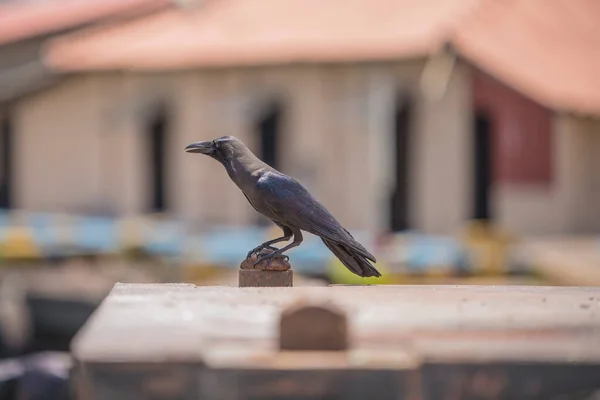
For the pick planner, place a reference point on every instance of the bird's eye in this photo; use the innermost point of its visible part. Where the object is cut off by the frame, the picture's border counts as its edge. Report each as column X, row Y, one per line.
column 217, row 145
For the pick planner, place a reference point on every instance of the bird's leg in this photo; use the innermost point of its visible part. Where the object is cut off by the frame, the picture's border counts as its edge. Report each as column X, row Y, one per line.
column 287, row 235
column 297, row 240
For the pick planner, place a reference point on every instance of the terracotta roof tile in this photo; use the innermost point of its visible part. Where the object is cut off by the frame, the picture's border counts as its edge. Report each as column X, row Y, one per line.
column 236, row 32
column 549, row 50
column 22, row 20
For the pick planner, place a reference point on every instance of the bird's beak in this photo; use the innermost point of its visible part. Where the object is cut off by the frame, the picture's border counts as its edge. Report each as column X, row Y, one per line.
column 199, row 147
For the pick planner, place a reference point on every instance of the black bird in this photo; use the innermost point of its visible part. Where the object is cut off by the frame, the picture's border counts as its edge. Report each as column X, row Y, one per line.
column 287, row 203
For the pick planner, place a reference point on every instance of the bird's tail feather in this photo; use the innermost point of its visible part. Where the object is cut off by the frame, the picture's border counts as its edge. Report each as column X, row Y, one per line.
column 359, row 248
column 352, row 259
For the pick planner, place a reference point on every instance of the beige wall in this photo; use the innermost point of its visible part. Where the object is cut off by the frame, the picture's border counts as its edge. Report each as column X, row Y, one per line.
column 442, row 184
column 82, row 145
column 86, row 137
column 570, row 205
column 57, row 157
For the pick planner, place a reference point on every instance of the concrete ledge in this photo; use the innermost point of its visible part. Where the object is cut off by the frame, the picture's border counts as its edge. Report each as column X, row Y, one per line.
column 178, row 341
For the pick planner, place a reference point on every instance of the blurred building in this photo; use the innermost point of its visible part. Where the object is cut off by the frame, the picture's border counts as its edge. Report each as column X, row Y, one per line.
column 25, row 26
column 397, row 114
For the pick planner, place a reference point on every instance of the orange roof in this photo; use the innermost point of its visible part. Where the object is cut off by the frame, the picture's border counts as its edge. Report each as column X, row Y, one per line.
column 549, row 50
column 250, row 32
column 26, row 19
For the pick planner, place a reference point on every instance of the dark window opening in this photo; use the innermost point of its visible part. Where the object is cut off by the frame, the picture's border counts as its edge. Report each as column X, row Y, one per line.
column 482, row 165
column 157, row 168
column 6, row 161
column 269, row 130
column 400, row 196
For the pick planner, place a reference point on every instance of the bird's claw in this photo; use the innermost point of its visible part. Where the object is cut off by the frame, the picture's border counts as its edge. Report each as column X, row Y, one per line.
column 258, row 249
column 261, row 259
column 270, row 258
column 253, row 252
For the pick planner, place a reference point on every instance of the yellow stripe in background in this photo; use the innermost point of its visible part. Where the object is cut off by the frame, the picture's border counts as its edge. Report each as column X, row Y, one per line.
column 19, row 243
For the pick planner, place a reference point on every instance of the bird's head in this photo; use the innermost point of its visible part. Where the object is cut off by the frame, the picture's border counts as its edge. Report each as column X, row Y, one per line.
column 220, row 149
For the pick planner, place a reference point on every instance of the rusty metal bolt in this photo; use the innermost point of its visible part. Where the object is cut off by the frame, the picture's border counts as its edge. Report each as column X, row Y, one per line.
column 307, row 327
column 278, row 263
column 272, row 273
column 258, row 278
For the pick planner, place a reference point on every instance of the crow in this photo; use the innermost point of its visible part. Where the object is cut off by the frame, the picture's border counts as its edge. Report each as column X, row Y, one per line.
column 285, row 202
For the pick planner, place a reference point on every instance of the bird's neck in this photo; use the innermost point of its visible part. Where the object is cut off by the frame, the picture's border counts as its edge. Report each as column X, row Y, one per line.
column 243, row 165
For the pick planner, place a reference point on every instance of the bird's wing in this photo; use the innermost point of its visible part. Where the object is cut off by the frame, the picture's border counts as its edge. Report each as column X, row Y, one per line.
column 292, row 204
